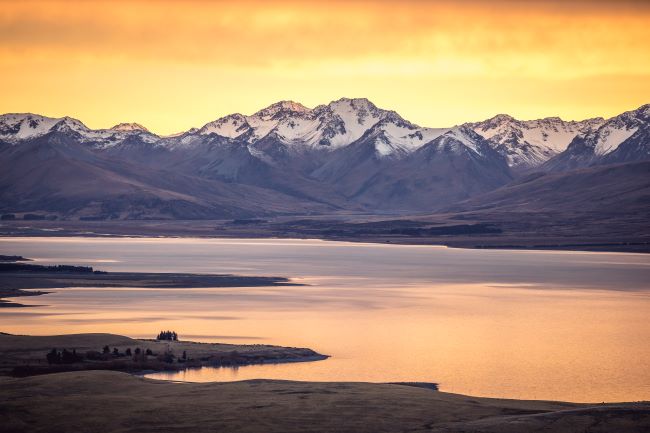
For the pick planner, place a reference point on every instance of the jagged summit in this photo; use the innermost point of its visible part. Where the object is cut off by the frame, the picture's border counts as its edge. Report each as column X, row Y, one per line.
column 500, row 118
column 287, row 127
column 529, row 143
column 622, row 138
column 282, row 107
column 128, row 127
column 15, row 127
column 348, row 154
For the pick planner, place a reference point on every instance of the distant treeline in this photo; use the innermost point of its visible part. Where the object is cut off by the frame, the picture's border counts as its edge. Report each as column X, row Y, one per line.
column 384, row 228
column 24, row 267
column 248, row 221
column 12, row 258
column 29, row 217
column 136, row 355
column 455, row 230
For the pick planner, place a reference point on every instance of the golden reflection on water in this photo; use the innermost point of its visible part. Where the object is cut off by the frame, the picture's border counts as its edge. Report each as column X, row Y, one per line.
column 576, row 345
column 491, row 338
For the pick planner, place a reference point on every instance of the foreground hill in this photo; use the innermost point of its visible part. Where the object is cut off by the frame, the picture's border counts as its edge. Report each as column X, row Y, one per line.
column 118, row 402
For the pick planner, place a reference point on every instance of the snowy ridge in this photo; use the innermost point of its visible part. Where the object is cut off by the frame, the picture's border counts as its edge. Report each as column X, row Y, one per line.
column 530, row 143
column 288, row 127
column 16, row 127
column 617, row 130
column 326, row 127
column 459, row 139
column 126, row 127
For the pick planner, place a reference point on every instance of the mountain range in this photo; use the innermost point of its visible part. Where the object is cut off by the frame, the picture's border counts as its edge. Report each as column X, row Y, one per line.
column 348, row 155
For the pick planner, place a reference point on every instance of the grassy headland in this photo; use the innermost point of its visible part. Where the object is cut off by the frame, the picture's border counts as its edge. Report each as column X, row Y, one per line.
column 23, row 355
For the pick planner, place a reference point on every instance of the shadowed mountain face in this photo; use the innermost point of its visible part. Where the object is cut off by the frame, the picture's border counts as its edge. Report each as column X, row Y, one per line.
column 58, row 175
column 290, row 159
column 454, row 166
column 612, row 189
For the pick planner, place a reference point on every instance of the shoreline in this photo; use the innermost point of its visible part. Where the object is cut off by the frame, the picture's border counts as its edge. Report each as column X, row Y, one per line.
column 594, row 247
column 25, row 355
column 17, row 277
column 465, row 233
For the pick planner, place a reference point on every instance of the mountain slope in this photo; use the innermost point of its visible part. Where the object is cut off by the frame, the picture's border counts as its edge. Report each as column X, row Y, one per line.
column 456, row 165
column 287, row 158
column 606, row 190
column 54, row 174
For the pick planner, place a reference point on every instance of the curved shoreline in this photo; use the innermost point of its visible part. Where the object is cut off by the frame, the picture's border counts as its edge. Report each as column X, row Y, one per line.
column 22, row 355
column 16, row 276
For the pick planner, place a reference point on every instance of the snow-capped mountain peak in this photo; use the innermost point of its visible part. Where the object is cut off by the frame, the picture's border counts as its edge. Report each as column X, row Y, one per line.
column 529, row 143
column 287, row 127
column 460, row 138
column 231, row 126
column 612, row 133
column 15, row 127
column 282, row 109
column 329, row 126
column 129, row 127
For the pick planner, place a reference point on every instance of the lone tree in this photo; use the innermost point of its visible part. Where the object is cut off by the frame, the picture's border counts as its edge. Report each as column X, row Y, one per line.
column 167, row 335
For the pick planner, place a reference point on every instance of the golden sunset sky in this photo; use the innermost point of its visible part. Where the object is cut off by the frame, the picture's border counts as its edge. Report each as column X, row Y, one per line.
column 171, row 65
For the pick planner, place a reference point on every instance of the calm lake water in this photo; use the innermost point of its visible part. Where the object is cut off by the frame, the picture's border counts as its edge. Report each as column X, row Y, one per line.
column 518, row 324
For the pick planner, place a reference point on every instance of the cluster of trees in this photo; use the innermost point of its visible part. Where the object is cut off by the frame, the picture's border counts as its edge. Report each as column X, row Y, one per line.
column 69, row 357
column 137, row 355
column 167, row 335
column 63, row 357
column 137, row 352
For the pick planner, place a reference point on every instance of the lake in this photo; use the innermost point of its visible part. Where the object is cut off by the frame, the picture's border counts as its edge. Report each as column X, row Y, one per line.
column 518, row 324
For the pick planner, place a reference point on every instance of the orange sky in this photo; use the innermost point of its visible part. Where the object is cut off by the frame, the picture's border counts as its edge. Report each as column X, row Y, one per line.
column 171, row 65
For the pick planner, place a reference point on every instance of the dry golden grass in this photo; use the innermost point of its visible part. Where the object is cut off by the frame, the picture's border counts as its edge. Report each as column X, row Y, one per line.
column 101, row 401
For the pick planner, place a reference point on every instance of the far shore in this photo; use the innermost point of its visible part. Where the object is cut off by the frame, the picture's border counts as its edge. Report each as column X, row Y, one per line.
column 17, row 274
column 466, row 234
